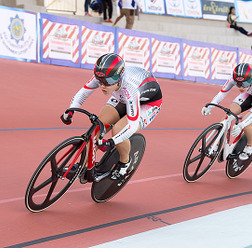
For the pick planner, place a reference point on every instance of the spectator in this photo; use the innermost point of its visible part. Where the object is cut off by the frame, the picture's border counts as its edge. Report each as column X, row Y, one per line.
column 121, row 13
column 107, row 5
column 96, row 6
column 87, row 2
column 128, row 10
column 231, row 19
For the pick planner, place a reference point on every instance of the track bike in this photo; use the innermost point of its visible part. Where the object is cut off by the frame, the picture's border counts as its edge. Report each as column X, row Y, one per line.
column 207, row 147
column 75, row 159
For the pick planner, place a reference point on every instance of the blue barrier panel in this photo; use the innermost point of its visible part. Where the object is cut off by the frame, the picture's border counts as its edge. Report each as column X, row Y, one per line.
column 59, row 40
column 134, row 47
column 196, row 61
column 223, row 61
column 245, row 56
column 96, row 40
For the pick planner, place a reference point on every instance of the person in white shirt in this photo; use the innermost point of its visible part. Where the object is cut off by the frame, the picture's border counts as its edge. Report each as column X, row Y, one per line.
column 127, row 9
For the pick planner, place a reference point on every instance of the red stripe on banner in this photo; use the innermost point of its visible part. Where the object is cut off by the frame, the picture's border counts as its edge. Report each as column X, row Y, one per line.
column 108, row 39
column 204, row 54
column 231, row 57
column 143, row 45
column 45, row 23
column 49, row 30
column 184, row 48
column 87, row 38
column 146, row 63
column 147, row 80
column 217, row 54
column 83, row 55
column 72, row 33
column 123, row 44
column 189, row 50
column 174, row 49
column 46, row 48
column 155, row 51
column 83, row 31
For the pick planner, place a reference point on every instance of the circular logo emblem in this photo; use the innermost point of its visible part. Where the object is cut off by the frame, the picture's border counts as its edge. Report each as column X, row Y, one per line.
column 17, row 28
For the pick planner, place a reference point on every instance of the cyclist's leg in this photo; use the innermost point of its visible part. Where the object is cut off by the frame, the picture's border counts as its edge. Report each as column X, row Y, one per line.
column 124, row 147
column 248, row 130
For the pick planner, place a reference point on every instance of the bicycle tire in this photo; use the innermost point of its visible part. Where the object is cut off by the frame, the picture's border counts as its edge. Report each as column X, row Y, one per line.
column 234, row 166
column 51, row 170
column 203, row 154
column 107, row 188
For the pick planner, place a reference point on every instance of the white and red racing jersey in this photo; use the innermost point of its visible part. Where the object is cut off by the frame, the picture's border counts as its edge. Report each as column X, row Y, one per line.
column 138, row 87
column 225, row 90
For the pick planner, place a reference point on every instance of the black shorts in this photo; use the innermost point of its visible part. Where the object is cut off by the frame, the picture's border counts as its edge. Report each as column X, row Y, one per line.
column 244, row 100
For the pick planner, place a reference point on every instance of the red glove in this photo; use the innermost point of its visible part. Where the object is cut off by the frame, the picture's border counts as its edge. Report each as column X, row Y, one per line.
column 67, row 117
column 106, row 145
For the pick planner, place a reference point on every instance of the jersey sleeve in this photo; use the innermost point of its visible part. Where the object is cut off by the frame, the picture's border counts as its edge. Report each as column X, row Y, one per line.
column 224, row 91
column 133, row 117
column 84, row 93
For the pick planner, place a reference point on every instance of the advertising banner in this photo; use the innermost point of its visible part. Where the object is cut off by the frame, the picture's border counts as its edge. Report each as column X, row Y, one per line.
column 60, row 42
column 196, row 61
column 18, row 34
column 244, row 11
column 135, row 50
column 154, row 7
column 217, row 9
column 193, row 8
column 223, row 63
column 166, row 57
column 94, row 44
column 175, row 7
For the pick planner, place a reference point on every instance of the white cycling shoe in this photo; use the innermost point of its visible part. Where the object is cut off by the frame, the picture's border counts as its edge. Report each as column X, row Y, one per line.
column 120, row 170
column 246, row 153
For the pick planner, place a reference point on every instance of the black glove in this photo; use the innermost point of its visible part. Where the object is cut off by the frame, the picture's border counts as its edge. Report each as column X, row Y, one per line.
column 106, row 145
column 67, row 117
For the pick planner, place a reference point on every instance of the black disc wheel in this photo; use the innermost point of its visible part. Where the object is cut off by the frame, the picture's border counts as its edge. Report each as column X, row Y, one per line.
column 46, row 186
column 199, row 160
column 107, row 188
column 234, row 166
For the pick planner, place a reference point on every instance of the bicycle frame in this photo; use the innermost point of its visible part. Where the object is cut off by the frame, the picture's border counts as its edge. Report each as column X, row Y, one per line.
column 228, row 146
column 89, row 141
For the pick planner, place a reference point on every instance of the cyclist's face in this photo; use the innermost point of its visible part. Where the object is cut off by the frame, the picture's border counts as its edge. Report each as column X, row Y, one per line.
column 108, row 90
column 243, row 90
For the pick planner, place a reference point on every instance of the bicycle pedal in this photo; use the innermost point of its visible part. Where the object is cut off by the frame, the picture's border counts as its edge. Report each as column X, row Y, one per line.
column 98, row 178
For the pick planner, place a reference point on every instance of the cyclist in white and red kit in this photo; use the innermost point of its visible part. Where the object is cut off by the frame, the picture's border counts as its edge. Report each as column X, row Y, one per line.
column 136, row 100
column 242, row 78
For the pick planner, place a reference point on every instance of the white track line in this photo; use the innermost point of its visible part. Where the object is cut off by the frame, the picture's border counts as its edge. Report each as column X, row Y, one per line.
column 88, row 187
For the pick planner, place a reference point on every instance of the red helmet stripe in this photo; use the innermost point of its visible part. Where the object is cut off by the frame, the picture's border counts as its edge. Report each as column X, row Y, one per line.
column 116, row 60
column 248, row 70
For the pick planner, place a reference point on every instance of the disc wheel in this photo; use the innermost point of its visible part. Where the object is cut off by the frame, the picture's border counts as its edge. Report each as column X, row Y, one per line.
column 198, row 160
column 107, row 188
column 234, row 166
column 46, row 186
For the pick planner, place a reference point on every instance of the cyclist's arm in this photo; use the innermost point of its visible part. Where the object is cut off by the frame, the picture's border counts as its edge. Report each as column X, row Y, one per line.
column 133, row 117
column 84, row 93
column 224, row 91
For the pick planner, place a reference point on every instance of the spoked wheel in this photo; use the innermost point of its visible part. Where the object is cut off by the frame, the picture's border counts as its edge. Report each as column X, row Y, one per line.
column 46, row 185
column 107, row 188
column 235, row 166
column 198, row 160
